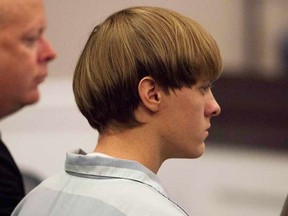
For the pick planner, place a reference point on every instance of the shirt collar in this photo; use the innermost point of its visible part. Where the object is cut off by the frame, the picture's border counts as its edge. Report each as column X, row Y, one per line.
column 96, row 166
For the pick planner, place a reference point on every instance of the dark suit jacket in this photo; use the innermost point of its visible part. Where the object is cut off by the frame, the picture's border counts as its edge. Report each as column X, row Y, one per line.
column 11, row 183
column 285, row 208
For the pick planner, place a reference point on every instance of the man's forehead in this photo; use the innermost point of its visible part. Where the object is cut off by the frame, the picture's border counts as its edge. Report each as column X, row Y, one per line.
column 20, row 10
column 16, row 7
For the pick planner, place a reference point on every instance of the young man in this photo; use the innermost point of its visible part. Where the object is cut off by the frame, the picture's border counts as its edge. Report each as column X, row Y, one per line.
column 24, row 54
column 143, row 81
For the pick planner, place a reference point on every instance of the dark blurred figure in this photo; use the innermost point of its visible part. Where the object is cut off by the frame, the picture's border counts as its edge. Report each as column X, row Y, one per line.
column 283, row 52
column 284, row 211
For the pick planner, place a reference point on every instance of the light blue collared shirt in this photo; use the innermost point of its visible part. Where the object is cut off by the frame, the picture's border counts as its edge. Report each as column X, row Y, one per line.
column 99, row 185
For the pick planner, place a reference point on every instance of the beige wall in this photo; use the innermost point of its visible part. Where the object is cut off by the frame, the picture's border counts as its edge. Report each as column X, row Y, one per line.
column 70, row 22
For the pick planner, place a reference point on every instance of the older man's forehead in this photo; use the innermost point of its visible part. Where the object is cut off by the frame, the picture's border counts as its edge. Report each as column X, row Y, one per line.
column 25, row 11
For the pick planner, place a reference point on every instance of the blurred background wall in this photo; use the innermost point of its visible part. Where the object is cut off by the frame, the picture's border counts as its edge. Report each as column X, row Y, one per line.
column 244, row 170
column 248, row 32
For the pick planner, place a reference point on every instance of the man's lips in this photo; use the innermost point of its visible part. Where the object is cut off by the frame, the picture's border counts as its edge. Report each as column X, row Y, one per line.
column 207, row 131
column 40, row 78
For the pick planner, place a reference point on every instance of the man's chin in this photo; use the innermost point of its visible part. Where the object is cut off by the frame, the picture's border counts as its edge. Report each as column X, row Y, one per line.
column 32, row 98
column 196, row 152
column 200, row 151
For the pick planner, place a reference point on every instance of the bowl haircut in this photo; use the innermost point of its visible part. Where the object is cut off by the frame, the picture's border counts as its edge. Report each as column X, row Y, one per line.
column 131, row 44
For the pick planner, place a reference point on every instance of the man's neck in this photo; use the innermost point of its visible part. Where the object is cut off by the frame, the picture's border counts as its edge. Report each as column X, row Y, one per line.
column 131, row 144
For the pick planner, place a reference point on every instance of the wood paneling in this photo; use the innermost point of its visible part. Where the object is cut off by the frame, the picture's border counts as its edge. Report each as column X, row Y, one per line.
column 254, row 112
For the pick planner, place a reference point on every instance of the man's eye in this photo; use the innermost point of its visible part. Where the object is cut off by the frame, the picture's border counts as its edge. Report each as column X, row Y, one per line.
column 206, row 87
column 30, row 40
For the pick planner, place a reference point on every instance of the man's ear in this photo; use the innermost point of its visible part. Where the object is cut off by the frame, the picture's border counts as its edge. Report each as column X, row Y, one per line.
column 150, row 93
